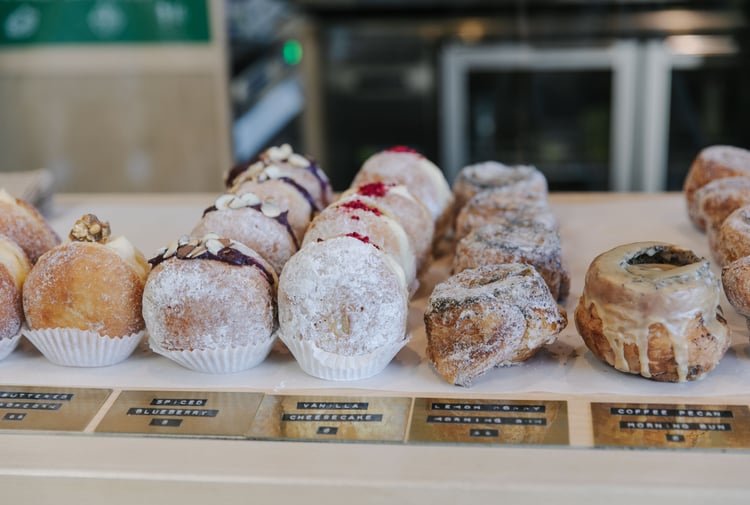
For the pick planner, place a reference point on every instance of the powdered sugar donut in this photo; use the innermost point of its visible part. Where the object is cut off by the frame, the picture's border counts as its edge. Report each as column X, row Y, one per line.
column 14, row 267
column 343, row 306
column 261, row 226
column 712, row 163
column 23, row 224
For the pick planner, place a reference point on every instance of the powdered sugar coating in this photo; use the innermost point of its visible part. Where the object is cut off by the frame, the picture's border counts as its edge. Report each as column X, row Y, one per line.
column 286, row 197
column 14, row 266
column 730, row 156
column 732, row 241
column 21, row 222
column 207, row 304
column 500, row 206
column 521, row 180
column 344, row 296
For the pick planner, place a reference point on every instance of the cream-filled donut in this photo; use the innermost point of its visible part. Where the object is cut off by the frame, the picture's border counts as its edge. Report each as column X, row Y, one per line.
column 23, row 224
column 14, row 267
column 652, row 308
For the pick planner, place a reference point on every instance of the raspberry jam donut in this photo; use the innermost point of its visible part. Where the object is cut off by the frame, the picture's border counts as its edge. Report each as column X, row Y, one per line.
column 712, row 163
column 652, row 308
column 23, row 224
column 494, row 315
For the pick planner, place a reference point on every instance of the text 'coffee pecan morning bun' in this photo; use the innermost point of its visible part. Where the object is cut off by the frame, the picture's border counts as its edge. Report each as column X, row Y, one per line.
column 82, row 299
column 402, row 165
column 494, row 315
column 23, row 224
column 262, row 226
column 652, row 308
column 14, row 267
column 714, row 162
column 209, row 304
column 284, row 164
column 343, row 306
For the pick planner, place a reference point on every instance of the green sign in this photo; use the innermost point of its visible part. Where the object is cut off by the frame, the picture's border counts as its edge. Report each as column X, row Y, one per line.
column 35, row 22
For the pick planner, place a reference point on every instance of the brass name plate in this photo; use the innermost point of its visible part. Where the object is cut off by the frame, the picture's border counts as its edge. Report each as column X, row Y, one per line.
column 49, row 408
column 331, row 418
column 186, row 413
column 671, row 425
column 473, row 421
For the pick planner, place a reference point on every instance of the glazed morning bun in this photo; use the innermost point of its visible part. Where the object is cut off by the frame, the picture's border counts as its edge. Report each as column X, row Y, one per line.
column 283, row 163
column 714, row 162
column 495, row 315
column 402, row 165
column 652, row 308
column 343, row 307
column 14, row 266
column 82, row 299
column 209, row 304
column 262, row 226
column 23, row 224
column 732, row 240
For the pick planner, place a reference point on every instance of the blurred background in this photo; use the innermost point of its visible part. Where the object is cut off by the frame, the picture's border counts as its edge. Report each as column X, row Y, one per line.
column 166, row 95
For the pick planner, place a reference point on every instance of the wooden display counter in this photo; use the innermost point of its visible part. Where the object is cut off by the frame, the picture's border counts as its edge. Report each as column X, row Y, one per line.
column 562, row 426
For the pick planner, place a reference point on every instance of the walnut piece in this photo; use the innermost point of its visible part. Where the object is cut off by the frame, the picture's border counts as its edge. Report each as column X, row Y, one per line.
column 90, row 229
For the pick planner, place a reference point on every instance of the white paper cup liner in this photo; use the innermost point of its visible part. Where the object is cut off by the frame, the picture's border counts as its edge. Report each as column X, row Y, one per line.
column 218, row 361
column 329, row 366
column 74, row 347
column 7, row 345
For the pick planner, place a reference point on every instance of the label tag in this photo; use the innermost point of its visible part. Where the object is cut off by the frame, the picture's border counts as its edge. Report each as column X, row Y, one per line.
column 474, row 421
column 49, row 408
column 671, row 426
column 188, row 413
column 349, row 419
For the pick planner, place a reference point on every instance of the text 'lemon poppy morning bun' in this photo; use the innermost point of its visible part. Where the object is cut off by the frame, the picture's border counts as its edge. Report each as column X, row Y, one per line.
column 519, row 241
column 732, row 241
column 82, row 299
column 23, row 224
column 281, row 162
column 713, row 162
column 14, row 267
column 262, row 226
column 209, row 304
column 412, row 215
column 494, row 315
column 524, row 181
column 343, row 306
column 652, row 308
column 402, row 165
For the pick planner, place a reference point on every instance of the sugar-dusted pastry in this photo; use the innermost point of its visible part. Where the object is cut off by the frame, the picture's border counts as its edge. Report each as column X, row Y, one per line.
column 353, row 215
column 719, row 198
column 411, row 214
column 14, row 266
column 23, row 224
column 652, row 308
column 82, row 299
column 209, row 304
column 713, row 162
column 424, row 179
column 519, row 241
column 262, row 226
column 343, row 307
column 523, row 181
column 735, row 280
column 495, row 315
column 281, row 162
column 732, row 241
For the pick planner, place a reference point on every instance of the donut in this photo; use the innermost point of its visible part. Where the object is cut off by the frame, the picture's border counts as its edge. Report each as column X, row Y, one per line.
column 352, row 215
column 14, row 267
column 209, row 293
column 495, row 315
column 524, row 181
column 732, row 241
column 735, row 279
column 520, row 241
column 22, row 223
column 652, row 308
column 402, row 165
column 281, row 162
column 92, row 283
column 412, row 215
column 343, row 307
column 713, row 162
column 262, row 226
column 719, row 198
column 498, row 206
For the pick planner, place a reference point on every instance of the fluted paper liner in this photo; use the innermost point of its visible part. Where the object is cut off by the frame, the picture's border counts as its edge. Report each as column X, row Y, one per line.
column 7, row 345
column 330, row 366
column 218, row 361
column 81, row 348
